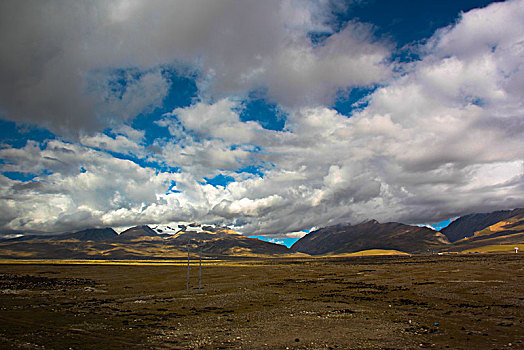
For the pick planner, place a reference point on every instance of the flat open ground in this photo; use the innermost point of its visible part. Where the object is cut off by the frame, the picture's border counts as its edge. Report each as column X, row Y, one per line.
column 456, row 302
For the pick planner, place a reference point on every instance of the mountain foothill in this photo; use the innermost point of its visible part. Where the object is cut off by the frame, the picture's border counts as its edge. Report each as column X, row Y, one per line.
column 498, row 231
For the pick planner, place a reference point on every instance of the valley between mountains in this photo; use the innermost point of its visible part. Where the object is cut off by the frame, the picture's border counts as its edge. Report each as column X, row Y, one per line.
column 498, row 231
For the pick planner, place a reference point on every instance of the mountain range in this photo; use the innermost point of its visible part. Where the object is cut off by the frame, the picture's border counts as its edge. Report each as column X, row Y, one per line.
column 140, row 242
column 496, row 231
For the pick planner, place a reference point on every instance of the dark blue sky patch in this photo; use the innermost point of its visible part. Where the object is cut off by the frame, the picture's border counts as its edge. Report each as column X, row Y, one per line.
column 119, row 80
column 183, row 90
column 258, row 109
column 163, row 168
column 406, row 21
column 110, row 133
column 219, row 180
column 345, row 100
column 318, row 38
column 251, row 169
column 172, row 189
column 477, row 101
column 152, row 130
column 17, row 135
column 182, row 93
column 18, row 176
column 405, row 54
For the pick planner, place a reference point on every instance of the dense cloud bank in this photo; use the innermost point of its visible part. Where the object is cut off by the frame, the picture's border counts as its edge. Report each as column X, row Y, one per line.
column 56, row 57
column 439, row 137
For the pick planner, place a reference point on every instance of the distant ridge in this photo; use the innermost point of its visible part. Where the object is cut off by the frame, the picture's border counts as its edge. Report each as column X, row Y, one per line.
column 489, row 230
column 138, row 231
column 467, row 225
column 346, row 238
column 92, row 234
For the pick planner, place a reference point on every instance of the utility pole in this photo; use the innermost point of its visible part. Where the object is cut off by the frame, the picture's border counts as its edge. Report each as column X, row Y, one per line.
column 200, row 269
column 188, row 268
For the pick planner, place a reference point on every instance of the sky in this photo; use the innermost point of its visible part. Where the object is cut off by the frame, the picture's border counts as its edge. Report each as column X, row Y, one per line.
column 272, row 117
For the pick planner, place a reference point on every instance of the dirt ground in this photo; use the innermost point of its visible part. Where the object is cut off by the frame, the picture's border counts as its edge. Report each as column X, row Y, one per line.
column 456, row 302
